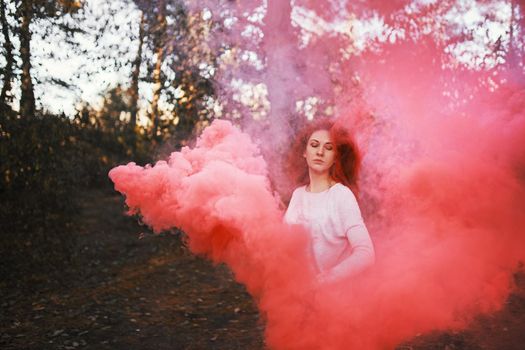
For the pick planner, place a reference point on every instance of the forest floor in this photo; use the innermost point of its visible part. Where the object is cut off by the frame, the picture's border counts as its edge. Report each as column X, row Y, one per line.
column 129, row 290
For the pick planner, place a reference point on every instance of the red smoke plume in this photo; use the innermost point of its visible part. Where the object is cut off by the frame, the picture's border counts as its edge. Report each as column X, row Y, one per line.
column 443, row 195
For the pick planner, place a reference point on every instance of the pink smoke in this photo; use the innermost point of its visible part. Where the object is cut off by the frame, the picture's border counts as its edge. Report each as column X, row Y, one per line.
column 443, row 194
column 218, row 193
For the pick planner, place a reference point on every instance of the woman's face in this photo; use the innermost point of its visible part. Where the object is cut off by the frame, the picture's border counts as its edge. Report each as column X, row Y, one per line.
column 320, row 152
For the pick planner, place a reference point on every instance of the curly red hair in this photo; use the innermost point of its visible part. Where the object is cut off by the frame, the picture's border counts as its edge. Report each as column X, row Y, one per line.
column 347, row 158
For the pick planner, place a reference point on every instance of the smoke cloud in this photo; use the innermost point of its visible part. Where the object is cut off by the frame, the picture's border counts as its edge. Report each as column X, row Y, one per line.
column 442, row 193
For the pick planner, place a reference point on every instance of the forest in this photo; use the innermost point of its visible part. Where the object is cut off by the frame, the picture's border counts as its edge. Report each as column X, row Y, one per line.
column 87, row 85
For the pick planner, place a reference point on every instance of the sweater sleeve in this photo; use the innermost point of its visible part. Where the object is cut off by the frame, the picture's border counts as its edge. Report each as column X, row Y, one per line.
column 290, row 216
column 362, row 253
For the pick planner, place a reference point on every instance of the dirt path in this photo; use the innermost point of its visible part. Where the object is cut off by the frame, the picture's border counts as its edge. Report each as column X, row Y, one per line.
column 128, row 292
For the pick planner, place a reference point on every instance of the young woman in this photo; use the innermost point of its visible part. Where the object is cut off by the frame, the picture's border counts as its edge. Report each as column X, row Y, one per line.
column 326, row 161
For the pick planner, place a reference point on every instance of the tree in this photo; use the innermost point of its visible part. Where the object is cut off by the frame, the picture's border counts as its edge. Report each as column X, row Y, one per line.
column 174, row 56
column 8, row 72
column 27, row 102
column 28, row 11
column 135, row 77
column 159, row 42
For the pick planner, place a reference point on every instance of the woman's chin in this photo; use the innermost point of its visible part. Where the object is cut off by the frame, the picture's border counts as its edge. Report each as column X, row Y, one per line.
column 319, row 169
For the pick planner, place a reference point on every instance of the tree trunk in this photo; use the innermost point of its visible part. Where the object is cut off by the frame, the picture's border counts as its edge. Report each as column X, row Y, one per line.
column 157, row 76
column 512, row 52
column 9, row 58
column 280, row 54
column 27, row 103
column 282, row 80
column 291, row 74
column 134, row 91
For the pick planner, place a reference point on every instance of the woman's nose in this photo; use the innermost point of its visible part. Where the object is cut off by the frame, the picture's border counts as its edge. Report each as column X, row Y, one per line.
column 320, row 151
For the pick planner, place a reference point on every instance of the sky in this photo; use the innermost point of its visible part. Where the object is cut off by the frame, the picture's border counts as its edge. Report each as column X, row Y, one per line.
column 91, row 79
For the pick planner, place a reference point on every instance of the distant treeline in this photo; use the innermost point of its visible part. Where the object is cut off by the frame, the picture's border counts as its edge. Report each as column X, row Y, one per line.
column 45, row 162
column 46, row 159
column 159, row 45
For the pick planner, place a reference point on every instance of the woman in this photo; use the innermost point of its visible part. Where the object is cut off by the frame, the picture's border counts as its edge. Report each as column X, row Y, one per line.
column 325, row 203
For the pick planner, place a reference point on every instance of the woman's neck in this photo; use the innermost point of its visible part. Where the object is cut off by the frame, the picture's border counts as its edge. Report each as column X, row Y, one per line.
column 319, row 182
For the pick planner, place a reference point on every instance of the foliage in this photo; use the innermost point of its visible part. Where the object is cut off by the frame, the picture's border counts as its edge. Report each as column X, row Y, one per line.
column 46, row 160
column 178, row 66
column 110, row 128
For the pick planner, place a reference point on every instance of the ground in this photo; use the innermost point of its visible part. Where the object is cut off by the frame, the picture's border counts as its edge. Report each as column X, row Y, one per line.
column 129, row 289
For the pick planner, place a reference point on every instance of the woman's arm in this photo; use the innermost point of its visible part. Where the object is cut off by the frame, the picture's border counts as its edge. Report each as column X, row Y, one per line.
column 351, row 223
column 361, row 257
